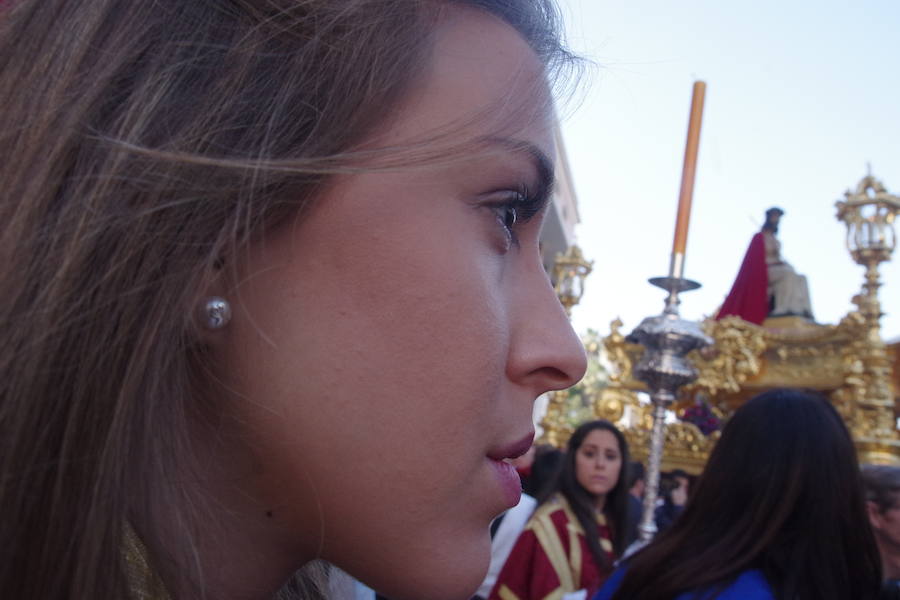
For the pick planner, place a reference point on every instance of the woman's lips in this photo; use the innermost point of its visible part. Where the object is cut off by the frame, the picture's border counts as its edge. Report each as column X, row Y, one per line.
column 509, row 481
column 514, row 450
column 506, row 474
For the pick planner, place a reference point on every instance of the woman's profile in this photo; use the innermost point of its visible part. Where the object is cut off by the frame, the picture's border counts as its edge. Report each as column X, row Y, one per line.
column 778, row 513
column 272, row 290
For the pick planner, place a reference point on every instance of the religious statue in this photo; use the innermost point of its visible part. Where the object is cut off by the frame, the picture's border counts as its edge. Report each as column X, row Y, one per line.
column 766, row 285
column 614, row 344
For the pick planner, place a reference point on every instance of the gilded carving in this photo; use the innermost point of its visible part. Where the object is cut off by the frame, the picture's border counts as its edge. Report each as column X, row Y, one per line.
column 610, row 403
column 848, row 362
column 841, row 360
column 618, row 354
column 685, row 446
column 734, row 357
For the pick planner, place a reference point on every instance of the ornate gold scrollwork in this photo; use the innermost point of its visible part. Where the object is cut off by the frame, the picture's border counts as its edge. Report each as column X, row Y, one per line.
column 848, row 362
column 685, row 446
column 735, row 356
column 611, row 402
column 840, row 360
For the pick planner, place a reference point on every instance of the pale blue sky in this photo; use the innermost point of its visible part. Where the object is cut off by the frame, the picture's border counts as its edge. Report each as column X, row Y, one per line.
column 801, row 95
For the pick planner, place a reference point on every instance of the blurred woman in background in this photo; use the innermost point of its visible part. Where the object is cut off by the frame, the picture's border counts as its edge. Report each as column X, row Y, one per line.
column 570, row 543
column 777, row 514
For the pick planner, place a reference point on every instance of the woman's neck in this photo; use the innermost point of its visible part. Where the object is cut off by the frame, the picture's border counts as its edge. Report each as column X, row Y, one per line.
column 242, row 548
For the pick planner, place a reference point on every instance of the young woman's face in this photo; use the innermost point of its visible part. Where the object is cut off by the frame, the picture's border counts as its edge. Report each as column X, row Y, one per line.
column 598, row 462
column 386, row 347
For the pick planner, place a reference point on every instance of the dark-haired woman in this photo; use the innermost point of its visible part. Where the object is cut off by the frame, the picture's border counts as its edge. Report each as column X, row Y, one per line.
column 571, row 541
column 778, row 514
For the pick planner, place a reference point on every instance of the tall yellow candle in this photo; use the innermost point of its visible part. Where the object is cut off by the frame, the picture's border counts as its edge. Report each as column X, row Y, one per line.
column 690, row 167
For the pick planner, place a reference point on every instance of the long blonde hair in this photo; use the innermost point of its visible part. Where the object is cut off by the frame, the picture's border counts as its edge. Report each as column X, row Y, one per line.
column 145, row 143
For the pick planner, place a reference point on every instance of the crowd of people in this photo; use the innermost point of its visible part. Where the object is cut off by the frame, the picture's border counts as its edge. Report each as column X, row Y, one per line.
column 274, row 311
column 577, row 530
column 781, row 511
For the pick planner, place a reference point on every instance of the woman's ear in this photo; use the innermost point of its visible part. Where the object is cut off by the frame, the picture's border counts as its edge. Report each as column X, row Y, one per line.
column 874, row 515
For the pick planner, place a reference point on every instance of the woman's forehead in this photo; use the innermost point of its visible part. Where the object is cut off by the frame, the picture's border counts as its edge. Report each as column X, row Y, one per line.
column 482, row 80
column 600, row 437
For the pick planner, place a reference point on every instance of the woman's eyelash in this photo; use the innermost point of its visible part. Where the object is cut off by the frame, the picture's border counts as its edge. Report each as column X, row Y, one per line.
column 529, row 204
column 519, row 207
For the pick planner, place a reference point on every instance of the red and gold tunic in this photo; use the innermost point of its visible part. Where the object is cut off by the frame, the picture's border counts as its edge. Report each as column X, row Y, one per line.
column 551, row 558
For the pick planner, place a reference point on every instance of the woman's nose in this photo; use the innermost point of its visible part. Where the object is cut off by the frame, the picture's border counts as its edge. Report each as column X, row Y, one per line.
column 545, row 352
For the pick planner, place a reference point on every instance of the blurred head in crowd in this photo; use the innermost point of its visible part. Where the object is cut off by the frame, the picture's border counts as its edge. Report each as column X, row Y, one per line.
column 882, row 487
column 544, row 471
column 636, row 481
column 593, row 478
column 781, row 493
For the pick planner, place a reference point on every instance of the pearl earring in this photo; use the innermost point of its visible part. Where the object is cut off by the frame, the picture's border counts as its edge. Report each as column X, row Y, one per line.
column 216, row 313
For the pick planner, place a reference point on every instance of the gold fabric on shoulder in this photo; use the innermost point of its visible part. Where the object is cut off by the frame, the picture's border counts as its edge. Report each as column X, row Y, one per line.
column 548, row 538
column 550, row 505
column 567, row 565
column 507, row 594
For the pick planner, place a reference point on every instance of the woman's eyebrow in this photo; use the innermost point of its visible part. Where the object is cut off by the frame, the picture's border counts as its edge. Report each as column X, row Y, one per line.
column 542, row 164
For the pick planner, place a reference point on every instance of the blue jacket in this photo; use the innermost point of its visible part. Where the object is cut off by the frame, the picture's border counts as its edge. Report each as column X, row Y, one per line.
column 750, row 585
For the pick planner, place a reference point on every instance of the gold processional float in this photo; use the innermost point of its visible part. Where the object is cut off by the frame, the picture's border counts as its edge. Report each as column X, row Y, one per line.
column 733, row 359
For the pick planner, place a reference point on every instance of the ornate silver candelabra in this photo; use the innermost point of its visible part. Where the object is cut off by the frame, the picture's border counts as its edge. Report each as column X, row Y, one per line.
column 668, row 338
column 664, row 367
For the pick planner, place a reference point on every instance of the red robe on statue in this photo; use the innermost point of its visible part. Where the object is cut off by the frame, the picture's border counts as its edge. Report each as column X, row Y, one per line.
column 551, row 558
column 749, row 296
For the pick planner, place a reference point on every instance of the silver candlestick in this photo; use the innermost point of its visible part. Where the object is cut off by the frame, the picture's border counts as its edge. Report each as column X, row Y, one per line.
column 668, row 338
column 664, row 367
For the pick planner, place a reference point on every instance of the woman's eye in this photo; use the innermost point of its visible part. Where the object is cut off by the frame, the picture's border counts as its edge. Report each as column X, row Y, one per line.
column 509, row 214
column 514, row 208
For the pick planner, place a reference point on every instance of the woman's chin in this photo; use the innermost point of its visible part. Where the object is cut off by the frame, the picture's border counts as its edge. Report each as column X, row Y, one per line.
column 448, row 590
column 453, row 573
